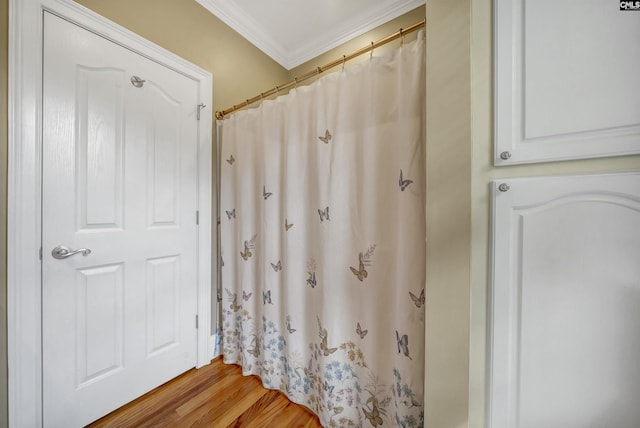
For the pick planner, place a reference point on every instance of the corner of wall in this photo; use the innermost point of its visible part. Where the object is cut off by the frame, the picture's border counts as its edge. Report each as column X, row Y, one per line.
column 448, row 212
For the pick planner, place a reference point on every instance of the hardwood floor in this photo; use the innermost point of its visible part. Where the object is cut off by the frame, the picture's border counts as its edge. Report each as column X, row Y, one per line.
column 214, row 396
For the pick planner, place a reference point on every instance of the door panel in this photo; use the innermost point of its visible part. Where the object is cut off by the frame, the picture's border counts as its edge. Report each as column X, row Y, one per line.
column 565, row 302
column 100, row 120
column 163, row 160
column 119, row 178
column 99, row 322
column 163, row 287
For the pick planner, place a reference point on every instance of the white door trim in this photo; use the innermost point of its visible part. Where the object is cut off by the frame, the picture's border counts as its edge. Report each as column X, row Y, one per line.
column 24, row 191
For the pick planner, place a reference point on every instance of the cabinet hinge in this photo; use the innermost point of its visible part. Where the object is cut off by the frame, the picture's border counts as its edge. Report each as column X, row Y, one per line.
column 196, row 321
column 197, row 217
column 40, row 253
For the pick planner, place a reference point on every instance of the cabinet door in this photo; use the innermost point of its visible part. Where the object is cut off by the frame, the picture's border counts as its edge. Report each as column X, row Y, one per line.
column 566, row 80
column 565, row 304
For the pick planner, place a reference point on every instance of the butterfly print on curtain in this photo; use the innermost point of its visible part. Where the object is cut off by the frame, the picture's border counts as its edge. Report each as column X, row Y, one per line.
column 403, row 344
column 403, row 183
column 327, row 137
column 231, row 160
column 361, row 272
column 266, row 194
column 311, row 280
column 311, row 271
column 255, row 346
column 231, row 214
column 419, row 300
column 289, row 328
column 323, row 337
column 364, row 259
column 266, row 297
column 324, row 214
column 277, row 266
column 362, row 333
column 373, row 415
column 287, row 225
column 234, row 300
column 248, row 245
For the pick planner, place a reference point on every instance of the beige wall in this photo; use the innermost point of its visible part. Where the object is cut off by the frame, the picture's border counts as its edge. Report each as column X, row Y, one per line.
column 448, row 213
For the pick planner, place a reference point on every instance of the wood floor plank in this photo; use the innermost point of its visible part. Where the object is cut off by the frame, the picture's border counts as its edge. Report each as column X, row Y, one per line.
column 145, row 409
column 216, row 395
column 247, row 398
column 262, row 413
column 201, row 399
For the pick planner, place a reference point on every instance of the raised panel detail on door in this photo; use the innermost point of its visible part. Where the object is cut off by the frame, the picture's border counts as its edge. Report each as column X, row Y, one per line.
column 566, row 302
column 99, row 322
column 120, row 320
column 99, row 129
column 566, row 82
column 163, row 288
column 164, row 159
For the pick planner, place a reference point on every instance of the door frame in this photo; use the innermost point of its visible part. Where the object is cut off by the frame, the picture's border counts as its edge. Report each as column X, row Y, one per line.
column 24, row 234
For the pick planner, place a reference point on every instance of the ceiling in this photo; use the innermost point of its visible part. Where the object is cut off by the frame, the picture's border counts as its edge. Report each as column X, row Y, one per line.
column 295, row 31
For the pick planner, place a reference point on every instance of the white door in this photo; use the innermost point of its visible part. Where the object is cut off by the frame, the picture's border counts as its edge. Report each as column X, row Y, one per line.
column 119, row 179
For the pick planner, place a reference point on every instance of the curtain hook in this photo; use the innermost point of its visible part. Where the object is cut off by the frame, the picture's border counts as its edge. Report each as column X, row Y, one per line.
column 277, row 90
column 371, row 52
column 344, row 58
column 401, row 37
column 295, row 82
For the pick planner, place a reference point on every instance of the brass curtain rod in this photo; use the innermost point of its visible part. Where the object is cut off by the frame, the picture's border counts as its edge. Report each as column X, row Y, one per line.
column 418, row 25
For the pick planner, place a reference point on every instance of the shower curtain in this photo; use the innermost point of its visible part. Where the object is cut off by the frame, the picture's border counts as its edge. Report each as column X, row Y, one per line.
column 323, row 242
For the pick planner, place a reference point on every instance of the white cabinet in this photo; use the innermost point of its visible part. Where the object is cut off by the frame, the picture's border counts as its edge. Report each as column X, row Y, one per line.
column 565, row 302
column 566, row 80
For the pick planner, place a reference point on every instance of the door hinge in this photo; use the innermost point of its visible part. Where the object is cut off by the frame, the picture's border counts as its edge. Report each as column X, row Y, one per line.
column 196, row 321
column 197, row 217
column 200, row 107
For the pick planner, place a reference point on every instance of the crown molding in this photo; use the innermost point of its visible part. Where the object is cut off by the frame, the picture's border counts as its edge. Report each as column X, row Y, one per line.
column 247, row 27
column 350, row 29
column 260, row 36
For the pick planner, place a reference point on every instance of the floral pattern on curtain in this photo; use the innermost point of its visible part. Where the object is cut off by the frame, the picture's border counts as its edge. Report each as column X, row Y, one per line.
column 323, row 242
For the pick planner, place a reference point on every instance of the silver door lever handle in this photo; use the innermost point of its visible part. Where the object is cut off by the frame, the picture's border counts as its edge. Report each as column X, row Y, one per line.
column 62, row 252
